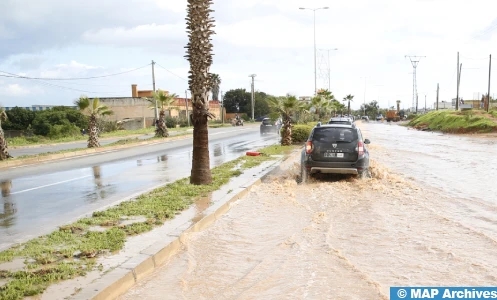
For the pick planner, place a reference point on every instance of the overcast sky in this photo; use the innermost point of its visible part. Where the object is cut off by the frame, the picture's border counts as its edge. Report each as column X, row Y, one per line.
column 270, row 38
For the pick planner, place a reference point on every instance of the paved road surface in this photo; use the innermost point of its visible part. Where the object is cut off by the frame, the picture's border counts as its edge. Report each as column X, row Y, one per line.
column 38, row 198
column 74, row 145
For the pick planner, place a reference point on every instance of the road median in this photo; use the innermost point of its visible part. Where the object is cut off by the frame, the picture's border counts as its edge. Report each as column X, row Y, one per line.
column 107, row 251
column 51, row 156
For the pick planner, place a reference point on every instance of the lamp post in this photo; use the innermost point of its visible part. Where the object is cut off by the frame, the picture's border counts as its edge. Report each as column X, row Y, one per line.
column 315, row 67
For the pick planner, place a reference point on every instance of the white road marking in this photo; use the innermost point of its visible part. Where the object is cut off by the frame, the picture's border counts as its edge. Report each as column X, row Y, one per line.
column 51, row 184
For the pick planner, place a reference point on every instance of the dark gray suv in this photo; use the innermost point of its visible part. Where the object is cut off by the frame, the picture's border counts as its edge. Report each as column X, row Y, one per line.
column 335, row 149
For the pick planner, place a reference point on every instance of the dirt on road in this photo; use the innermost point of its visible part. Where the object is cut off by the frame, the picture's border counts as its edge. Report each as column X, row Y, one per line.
column 330, row 239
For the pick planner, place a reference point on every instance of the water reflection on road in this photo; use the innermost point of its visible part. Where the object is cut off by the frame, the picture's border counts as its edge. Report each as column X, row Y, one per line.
column 37, row 204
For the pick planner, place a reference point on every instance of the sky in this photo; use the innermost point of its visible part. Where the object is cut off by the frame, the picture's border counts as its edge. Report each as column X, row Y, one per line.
column 60, row 39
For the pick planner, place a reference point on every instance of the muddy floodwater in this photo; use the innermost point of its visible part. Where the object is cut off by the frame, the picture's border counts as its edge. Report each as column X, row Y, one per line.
column 340, row 238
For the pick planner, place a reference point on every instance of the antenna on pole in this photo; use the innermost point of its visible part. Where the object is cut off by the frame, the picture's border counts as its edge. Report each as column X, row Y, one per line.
column 414, row 62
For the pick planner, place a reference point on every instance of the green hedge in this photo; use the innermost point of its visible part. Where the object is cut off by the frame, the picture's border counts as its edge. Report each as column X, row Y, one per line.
column 300, row 133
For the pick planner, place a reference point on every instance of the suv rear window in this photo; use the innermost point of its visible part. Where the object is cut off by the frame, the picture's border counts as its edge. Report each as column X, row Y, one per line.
column 334, row 134
column 340, row 122
column 266, row 122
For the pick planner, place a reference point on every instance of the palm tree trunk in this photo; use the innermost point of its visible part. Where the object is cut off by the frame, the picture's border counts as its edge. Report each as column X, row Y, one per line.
column 201, row 169
column 286, row 137
column 200, row 26
column 215, row 93
column 93, row 132
column 4, row 150
column 348, row 108
column 161, row 130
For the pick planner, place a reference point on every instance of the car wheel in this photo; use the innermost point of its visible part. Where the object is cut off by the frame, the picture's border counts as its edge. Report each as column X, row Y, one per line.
column 364, row 174
column 304, row 175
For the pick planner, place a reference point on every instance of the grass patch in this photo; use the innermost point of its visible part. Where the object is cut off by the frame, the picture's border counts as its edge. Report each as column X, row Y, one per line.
column 455, row 122
column 72, row 250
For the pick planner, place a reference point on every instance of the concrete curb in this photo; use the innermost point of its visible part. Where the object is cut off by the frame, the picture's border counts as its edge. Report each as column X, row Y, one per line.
column 46, row 158
column 122, row 278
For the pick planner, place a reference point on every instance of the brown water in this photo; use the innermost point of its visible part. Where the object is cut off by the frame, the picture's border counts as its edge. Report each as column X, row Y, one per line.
column 345, row 239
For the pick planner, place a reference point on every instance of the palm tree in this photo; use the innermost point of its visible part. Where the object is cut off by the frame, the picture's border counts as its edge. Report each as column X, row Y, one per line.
column 199, row 53
column 286, row 107
column 163, row 100
column 398, row 105
column 215, row 83
column 348, row 98
column 95, row 110
column 4, row 149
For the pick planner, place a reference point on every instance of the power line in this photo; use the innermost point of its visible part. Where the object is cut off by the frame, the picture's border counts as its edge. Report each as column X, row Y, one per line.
column 12, row 75
column 171, row 72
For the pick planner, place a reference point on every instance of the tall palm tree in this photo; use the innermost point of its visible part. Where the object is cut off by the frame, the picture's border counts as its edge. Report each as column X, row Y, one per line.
column 199, row 53
column 4, row 149
column 163, row 100
column 286, row 107
column 95, row 110
column 215, row 84
column 398, row 105
column 347, row 99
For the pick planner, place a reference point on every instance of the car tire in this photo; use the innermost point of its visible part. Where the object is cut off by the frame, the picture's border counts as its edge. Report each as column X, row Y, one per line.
column 364, row 174
column 304, row 175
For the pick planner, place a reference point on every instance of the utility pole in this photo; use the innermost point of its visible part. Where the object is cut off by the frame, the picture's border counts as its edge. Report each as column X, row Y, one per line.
column 458, row 77
column 414, row 62
column 222, row 107
column 253, row 95
column 365, row 83
column 425, row 103
column 186, row 103
column 488, row 91
column 328, row 65
column 438, row 90
column 153, row 84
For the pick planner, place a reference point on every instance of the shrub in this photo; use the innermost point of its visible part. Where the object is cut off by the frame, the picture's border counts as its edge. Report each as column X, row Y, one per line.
column 62, row 131
column 300, row 133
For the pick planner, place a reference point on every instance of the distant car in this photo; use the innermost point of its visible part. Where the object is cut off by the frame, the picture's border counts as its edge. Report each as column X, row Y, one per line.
column 379, row 118
column 268, row 126
column 365, row 118
column 341, row 120
column 335, row 149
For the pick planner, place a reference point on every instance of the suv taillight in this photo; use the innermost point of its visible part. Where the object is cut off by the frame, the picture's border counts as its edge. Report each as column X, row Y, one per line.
column 309, row 147
column 360, row 148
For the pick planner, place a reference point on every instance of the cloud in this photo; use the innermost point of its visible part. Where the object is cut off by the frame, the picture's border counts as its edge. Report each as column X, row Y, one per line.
column 14, row 90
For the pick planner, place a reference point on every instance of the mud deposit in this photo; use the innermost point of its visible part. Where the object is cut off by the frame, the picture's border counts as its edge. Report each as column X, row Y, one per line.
column 332, row 239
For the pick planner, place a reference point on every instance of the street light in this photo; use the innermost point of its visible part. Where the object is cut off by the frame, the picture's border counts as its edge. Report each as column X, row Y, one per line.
column 315, row 68
column 365, row 84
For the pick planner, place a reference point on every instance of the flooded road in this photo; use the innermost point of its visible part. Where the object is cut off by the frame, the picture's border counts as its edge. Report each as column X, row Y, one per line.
column 461, row 166
column 342, row 239
column 36, row 203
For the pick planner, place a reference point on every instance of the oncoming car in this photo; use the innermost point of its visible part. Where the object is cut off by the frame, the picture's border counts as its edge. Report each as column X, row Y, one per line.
column 335, row 149
column 341, row 120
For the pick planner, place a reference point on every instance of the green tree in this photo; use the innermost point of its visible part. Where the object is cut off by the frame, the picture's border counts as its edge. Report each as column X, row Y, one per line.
column 68, row 118
column 95, row 110
column 237, row 101
column 261, row 107
column 19, row 118
column 199, row 54
column 4, row 148
column 163, row 100
column 215, row 85
column 371, row 109
column 286, row 107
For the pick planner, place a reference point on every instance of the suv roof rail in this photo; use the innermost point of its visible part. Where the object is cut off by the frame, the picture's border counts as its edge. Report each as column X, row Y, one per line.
column 318, row 124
